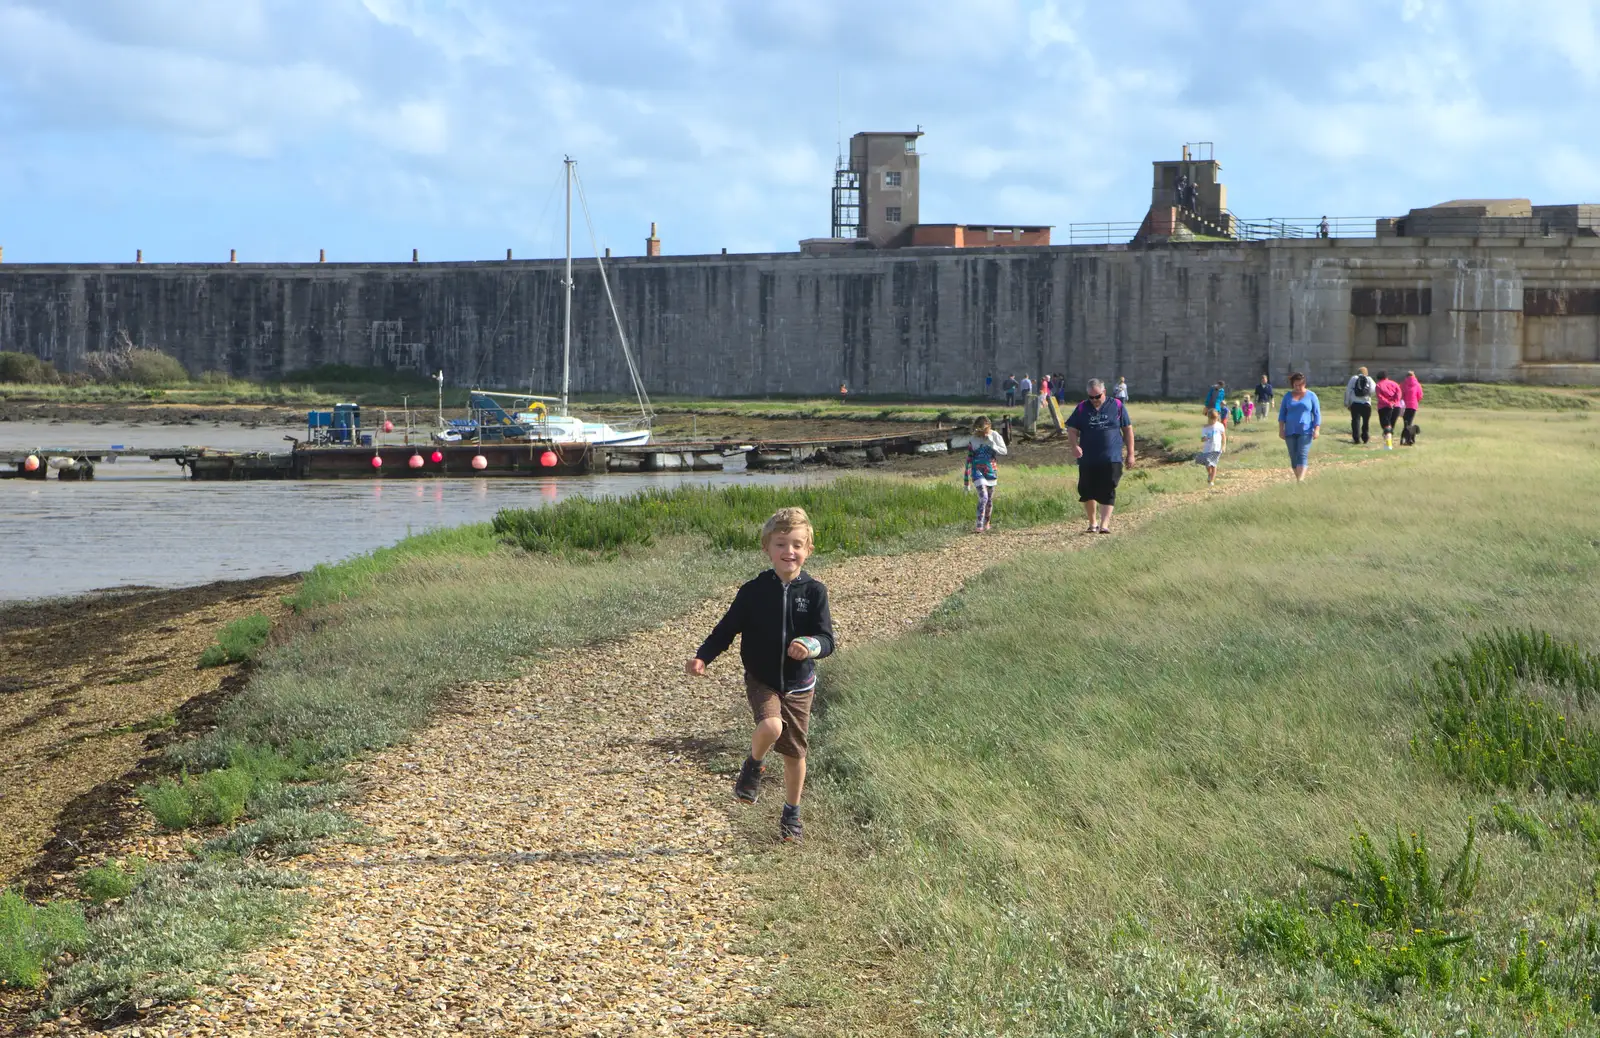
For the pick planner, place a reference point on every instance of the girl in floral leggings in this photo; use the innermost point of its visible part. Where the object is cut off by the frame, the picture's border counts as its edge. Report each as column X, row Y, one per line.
column 980, row 471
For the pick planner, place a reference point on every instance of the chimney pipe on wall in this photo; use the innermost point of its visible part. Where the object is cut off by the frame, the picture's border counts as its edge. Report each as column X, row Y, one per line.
column 652, row 244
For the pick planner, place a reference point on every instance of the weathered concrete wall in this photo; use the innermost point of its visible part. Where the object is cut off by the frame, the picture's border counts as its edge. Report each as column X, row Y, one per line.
column 1172, row 319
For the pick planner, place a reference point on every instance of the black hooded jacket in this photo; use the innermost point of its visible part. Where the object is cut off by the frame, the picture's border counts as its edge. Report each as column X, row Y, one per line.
column 768, row 615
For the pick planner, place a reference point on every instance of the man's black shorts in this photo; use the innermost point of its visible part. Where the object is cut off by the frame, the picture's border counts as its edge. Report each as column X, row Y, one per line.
column 1098, row 482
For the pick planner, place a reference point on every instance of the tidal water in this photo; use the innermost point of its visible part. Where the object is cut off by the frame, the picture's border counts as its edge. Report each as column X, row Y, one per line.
column 143, row 524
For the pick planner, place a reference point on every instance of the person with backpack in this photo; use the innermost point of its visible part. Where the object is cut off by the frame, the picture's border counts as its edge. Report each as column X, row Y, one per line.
column 1358, row 398
column 1215, row 397
column 1010, row 387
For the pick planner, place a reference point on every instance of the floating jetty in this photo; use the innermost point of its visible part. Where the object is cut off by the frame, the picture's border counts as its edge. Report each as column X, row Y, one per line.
column 423, row 461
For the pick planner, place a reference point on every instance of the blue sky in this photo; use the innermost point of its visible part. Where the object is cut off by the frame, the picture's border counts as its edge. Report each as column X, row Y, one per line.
column 371, row 127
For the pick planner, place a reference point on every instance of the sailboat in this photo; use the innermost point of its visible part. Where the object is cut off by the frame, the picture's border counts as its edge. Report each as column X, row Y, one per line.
column 548, row 419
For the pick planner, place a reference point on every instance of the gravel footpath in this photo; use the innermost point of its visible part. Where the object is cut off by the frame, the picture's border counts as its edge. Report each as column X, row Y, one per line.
column 556, row 855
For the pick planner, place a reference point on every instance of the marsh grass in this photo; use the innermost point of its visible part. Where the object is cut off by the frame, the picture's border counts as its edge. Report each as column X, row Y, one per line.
column 1082, row 773
column 848, row 515
column 239, row 641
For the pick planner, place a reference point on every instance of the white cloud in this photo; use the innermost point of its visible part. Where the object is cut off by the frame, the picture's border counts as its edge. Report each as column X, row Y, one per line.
column 444, row 121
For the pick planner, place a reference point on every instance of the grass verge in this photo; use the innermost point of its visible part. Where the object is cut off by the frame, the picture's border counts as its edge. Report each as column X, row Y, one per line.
column 1091, row 804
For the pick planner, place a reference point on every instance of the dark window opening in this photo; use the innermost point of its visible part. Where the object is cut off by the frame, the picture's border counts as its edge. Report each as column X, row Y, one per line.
column 1391, row 302
column 1392, row 336
column 1561, row 302
column 892, row 213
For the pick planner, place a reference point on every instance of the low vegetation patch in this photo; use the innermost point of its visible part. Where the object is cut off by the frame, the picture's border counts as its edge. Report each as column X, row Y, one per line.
column 180, row 927
column 1515, row 709
column 239, row 641
column 215, row 798
column 1393, row 916
column 33, row 936
column 111, row 880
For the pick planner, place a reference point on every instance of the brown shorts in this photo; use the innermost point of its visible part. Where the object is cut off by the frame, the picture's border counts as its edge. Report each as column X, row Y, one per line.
column 793, row 709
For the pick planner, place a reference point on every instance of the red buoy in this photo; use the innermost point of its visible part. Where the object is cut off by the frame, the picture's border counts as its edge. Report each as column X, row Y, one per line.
column 377, row 462
column 548, row 459
column 388, row 426
column 480, row 462
column 31, row 463
column 416, row 461
column 438, row 456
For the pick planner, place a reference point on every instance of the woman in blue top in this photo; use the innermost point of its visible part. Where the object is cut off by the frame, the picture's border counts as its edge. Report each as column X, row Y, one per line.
column 1299, row 422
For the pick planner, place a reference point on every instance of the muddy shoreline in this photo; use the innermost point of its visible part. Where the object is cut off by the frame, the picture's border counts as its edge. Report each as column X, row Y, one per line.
column 93, row 688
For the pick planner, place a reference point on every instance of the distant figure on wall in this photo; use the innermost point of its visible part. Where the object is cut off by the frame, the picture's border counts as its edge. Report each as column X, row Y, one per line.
column 1010, row 388
column 1322, row 228
column 1181, row 191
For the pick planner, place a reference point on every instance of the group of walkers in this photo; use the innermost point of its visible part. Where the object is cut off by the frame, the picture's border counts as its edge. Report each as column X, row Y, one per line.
column 1397, row 403
column 1100, row 431
column 1300, row 417
column 1018, row 390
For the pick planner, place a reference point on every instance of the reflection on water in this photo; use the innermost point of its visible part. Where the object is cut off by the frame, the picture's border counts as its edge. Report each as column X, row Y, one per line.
column 141, row 523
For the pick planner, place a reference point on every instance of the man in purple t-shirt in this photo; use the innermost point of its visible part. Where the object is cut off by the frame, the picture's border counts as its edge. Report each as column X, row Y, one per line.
column 1101, row 435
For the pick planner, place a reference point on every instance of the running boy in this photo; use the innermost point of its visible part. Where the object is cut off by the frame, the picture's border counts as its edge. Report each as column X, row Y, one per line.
column 1213, row 441
column 782, row 619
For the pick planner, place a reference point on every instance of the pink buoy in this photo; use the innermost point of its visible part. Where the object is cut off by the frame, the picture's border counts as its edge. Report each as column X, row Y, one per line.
column 548, row 459
column 416, row 461
column 31, row 463
column 438, row 456
column 479, row 462
column 377, row 462
column 388, row 426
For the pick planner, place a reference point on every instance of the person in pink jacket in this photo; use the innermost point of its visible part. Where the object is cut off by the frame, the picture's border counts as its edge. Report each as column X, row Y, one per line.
column 1410, row 399
column 1388, row 396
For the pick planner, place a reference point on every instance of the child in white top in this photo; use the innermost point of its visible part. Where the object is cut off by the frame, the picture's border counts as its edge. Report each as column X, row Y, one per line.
column 1213, row 441
column 980, row 470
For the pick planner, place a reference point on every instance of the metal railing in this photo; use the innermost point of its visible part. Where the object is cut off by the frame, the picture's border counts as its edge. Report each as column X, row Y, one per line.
column 1110, row 233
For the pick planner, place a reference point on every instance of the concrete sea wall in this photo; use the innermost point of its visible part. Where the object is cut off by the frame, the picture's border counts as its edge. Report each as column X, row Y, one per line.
column 928, row 322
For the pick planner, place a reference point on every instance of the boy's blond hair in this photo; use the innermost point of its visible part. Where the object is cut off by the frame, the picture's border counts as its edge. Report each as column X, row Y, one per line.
column 784, row 520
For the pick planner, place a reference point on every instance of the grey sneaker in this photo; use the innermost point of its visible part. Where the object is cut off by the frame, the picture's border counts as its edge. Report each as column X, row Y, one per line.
column 748, row 784
column 789, row 828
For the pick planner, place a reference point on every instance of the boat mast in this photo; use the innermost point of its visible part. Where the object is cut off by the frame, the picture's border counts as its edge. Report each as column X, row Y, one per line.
column 566, row 309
